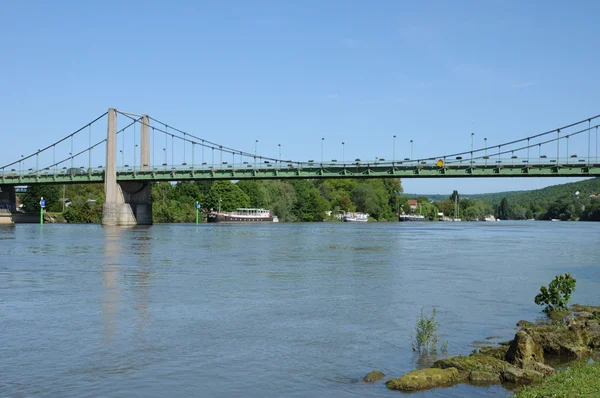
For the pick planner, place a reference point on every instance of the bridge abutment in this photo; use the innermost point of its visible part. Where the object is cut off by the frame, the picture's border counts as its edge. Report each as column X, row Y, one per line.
column 127, row 203
column 8, row 205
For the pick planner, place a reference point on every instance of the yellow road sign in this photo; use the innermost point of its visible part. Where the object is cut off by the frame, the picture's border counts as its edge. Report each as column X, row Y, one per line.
column 440, row 163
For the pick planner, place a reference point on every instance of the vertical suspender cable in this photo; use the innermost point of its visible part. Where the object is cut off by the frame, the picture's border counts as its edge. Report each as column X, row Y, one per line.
column 589, row 140
column 134, row 140
column 153, row 145
column 90, row 149
column 166, row 144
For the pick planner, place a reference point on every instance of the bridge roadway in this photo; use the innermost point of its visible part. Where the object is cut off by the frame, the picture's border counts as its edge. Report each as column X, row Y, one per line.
column 415, row 169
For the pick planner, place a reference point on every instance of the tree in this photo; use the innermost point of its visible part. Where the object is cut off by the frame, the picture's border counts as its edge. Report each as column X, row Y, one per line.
column 504, row 210
column 257, row 192
column 83, row 212
column 284, row 201
column 364, row 196
column 592, row 211
column 227, row 196
column 31, row 198
column 454, row 197
column 518, row 213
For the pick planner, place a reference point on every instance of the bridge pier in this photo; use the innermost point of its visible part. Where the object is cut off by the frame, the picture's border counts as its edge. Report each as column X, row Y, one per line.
column 127, row 203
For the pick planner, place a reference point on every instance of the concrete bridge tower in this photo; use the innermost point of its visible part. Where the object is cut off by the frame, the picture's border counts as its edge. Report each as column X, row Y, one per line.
column 127, row 203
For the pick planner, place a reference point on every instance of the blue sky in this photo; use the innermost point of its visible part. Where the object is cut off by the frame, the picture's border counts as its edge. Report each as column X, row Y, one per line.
column 289, row 73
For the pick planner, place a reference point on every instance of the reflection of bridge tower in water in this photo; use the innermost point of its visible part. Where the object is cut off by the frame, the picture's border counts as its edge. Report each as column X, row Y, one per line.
column 110, row 275
column 119, row 279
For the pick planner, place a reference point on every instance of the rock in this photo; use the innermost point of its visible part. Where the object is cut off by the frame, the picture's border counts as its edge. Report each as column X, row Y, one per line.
column 524, row 349
column 541, row 368
column 373, row 376
column 583, row 315
column 495, row 352
column 560, row 340
column 593, row 324
column 478, row 376
column 473, row 362
column 523, row 323
column 521, row 376
column 424, row 379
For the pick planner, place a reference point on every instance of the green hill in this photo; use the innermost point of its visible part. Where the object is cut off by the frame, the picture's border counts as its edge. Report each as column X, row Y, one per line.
column 545, row 195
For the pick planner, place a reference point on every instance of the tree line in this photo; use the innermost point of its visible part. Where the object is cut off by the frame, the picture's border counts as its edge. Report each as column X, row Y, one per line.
column 310, row 200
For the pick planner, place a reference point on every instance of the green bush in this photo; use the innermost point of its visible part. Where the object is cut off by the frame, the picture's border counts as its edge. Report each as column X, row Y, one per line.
column 426, row 340
column 556, row 296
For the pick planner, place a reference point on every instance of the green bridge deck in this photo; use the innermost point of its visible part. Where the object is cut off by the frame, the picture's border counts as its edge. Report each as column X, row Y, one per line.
column 248, row 172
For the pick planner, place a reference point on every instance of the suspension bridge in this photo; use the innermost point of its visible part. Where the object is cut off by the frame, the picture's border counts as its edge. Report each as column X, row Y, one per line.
column 127, row 186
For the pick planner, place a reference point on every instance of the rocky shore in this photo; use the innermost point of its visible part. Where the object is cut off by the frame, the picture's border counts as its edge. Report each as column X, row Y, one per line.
column 569, row 335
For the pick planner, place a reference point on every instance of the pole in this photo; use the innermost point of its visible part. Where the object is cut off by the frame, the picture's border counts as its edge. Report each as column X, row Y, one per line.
column 322, row 143
column 343, row 153
column 42, row 203
column 567, row 149
column 472, row 136
column 197, row 212
column 557, row 146
column 485, row 141
column 255, row 149
column 411, row 150
column 394, row 152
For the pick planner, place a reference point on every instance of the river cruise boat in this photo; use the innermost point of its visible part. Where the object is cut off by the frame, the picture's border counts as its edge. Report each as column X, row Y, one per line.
column 242, row 215
column 356, row 217
column 411, row 217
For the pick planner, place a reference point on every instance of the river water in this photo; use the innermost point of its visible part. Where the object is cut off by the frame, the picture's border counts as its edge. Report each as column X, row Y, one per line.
column 298, row 310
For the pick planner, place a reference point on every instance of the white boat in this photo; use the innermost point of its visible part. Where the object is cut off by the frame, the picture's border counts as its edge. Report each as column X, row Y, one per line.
column 356, row 217
column 411, row 217
column 489, row 218
column 242, row 215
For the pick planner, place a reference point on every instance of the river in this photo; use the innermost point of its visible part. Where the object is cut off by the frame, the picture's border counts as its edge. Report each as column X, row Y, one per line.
column 295, row 310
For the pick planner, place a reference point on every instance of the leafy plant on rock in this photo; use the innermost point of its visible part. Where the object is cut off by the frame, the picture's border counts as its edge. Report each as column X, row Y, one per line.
column 556, row 296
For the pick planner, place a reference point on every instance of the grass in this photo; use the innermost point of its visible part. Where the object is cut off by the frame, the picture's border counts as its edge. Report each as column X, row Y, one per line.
column 579, row 380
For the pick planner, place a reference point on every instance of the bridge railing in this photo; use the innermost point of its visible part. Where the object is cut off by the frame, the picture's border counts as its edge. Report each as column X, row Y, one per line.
column 513, row 161
column 485, row 162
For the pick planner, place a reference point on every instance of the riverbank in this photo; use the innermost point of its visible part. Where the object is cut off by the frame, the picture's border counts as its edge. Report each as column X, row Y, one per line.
column 526, row 359
column 579, row 380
